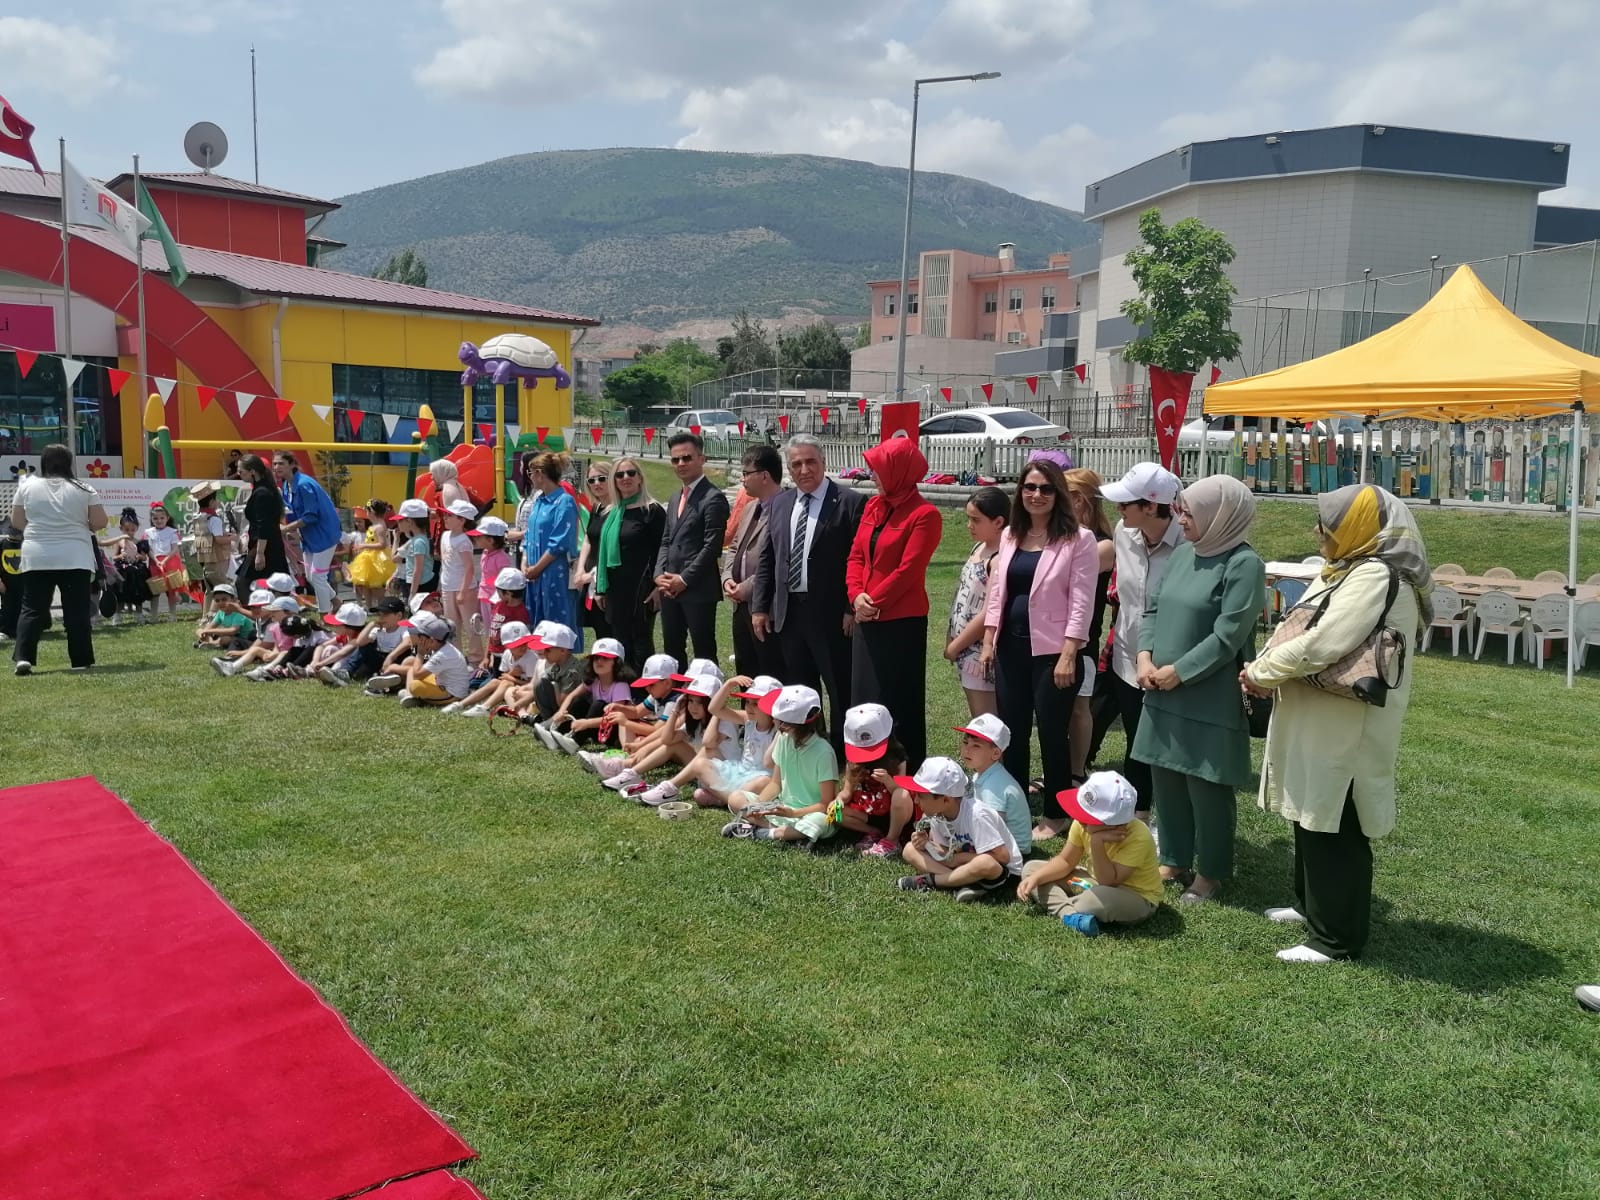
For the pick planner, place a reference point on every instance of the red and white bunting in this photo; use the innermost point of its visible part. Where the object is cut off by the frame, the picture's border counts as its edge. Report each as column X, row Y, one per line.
column 543, row 431
column 988, row 391
column 285, row 410
column 569, row 437
column 486, row 432
column 244, row 400
column 1216, row 372
column 117, row 379
column 1033, row 384
column 783, row 422
column 452, row 430
column 513, row 432
column 596, row 433
column 164, row 388
column 1082, row 372
column 946, row 393
column 25, row 360
column 206, row 395
column 1056, row 377
column 424, row 426
column 824, row 412
column 741, row 428
column 72, row 368
column 354, row 416
column 391, row 422
column 324, row 411
column 861, row 406
column 649, row 434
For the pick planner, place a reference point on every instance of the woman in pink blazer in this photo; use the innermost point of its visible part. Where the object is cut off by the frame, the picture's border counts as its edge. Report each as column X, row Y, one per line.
column 1036, row 624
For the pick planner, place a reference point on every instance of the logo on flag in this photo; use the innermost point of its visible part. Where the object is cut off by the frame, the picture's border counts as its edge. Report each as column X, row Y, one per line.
column 87, row 203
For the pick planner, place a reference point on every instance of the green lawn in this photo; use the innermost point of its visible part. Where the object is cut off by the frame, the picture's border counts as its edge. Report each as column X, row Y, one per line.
column 607, row 1005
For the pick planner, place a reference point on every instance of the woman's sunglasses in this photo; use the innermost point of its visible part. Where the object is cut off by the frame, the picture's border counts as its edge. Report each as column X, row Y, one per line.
column 627, row 474
column 597, row 480
column 1039, row 489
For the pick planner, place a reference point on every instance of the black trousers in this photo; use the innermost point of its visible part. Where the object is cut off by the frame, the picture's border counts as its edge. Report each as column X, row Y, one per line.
column 38, row 588
column 1129, row 703
column 752, row 656
column 10, row 604
column 1026, row 694
column 683, row 621
column 632, row 621
column 1333, row 885
column 888, row 666
column 816, row 652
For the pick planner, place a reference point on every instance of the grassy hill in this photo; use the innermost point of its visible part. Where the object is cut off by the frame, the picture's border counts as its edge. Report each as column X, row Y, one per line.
column 655, row 237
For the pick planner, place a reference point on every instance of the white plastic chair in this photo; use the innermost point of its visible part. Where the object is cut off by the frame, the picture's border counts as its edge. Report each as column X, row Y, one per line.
column 1546, row 622
column 1449, row 569
column 1550, row 577
column 1585, row 630
column 1450, row 611
column 1501, row 573
column 1499, row 613
column 1314, row 560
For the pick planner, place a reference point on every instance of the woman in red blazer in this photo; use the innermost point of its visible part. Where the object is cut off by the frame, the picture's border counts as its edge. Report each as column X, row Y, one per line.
column 1035, row 627
column 887, row 579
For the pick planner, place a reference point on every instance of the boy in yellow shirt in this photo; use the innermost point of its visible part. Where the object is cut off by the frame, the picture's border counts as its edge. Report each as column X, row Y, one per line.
column 1121, row 884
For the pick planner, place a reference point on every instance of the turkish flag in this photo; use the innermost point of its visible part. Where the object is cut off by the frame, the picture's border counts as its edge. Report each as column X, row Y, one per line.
column 15, row 134
column 1169, row 401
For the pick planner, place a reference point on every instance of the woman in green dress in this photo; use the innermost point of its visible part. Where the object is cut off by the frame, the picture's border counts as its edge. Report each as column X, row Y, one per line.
column 1193, row 732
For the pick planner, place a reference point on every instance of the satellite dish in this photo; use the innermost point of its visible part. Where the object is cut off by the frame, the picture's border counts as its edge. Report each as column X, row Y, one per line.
column 206, row 145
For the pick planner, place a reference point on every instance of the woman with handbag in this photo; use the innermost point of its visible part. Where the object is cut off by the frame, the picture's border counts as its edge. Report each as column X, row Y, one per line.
column 264, row 552
column 1330, row 756
column 1193, row 731
column 57, row 515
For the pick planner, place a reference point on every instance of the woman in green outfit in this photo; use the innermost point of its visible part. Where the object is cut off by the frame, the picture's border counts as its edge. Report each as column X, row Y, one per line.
column 1193, row 732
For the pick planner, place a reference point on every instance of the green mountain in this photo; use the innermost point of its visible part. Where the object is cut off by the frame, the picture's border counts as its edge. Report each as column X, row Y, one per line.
column 658, row 237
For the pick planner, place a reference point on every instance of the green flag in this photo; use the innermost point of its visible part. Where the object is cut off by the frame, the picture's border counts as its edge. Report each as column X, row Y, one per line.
column 158, row 227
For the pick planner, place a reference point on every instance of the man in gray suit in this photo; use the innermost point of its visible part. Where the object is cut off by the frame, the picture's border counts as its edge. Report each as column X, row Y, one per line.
column 763, row 481
column 800, row 596
column 688, row 583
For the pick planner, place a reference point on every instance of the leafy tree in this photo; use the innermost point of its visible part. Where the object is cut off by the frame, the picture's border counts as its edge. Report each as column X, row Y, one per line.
column 1185, row 296
column 685, row 364
column 813, row 356
column 644, row 350
column 863, row 335
column 638, row 388
column 405, row 267
column 748, row 348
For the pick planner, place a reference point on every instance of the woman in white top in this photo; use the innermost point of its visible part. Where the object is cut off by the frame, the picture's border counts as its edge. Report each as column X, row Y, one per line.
column 58, row 517
column 166, row 542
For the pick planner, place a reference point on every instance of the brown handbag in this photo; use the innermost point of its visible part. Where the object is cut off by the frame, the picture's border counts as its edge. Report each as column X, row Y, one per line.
column 1369, row 671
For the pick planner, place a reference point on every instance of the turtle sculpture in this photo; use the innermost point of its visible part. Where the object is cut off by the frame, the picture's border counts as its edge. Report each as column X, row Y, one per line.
column 510, row 356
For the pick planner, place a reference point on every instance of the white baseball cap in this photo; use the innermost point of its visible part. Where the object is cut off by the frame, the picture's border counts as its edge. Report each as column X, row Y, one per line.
column 281, row 582
column 429, row 625
column 760, row 686
column 491, row 527
column 1150, row 482
column 988, row 727
column 416, row 509
column 556, row 636
column 607, row 648
column 225, row 589
column 1105, row 798
column 698, row 667
column 465, row 509
column 509, row 580
column 656, row 668
column 936, row 777
column 866, row 732
column 705, row 686
column 514, row 635
column 350, row 615
column 259, row 597
column 286, row 604
column 794, row 704
column 416, row 602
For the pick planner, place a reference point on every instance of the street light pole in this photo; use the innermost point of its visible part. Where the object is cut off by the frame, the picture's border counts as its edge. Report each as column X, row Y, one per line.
column 905, row 238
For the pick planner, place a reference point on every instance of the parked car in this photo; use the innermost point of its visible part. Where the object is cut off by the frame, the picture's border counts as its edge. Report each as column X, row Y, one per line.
column 713, row 422
column 1016, row 426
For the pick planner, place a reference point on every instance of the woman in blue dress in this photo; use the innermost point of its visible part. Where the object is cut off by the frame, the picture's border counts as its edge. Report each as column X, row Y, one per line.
column 550, row 542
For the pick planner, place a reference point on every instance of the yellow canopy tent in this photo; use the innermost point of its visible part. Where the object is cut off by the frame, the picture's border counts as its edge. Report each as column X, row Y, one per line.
column 1463, row 356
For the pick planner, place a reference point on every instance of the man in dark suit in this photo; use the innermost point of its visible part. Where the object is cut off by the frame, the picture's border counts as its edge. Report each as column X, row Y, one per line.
column 799, row 597
column 763, row 480
column 688, row 583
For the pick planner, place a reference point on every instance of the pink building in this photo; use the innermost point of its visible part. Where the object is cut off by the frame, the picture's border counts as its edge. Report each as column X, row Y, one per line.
column 973, row 297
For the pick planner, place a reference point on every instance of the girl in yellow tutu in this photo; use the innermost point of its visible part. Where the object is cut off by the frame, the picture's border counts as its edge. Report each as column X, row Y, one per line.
column 373, row 565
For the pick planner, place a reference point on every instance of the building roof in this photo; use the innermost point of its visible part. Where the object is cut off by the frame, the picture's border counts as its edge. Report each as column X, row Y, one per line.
column 316, row 239
column 24, row 181
column 1390, row 149
column 1560, row 225
column 206, row 181
column 269, row 277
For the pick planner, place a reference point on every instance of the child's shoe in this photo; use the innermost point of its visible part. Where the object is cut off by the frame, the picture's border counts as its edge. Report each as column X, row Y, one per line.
column 410, row 701
column 545, row 736
column 658, row 795
column 564, row 742
column 738, row 829
column 334, row 677
column 705, row 799
column 477, row 710
column 259, row 675
column 622, row 780
column 453, row 708
column 384, row 684
column 1083, row 923
column 882, row 848
column 867, row 843
column 590, row 761
column 610, row 766
column 915, row 883
column 222, row 667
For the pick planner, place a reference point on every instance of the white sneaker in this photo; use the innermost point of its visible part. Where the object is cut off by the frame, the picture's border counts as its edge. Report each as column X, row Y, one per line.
column 259, row 675
column 1588, row 995
column 1303, row 954
column 4, row 639
column 544, row 734
column 222, row 667
column 1287, row 915
column 385, row 683
column 333, row 677
column 24, row 667
column 477, row 710
column 622, row 780
column 453, row 709
column 589, row 760
column 410, row 701
column 608, row 768
column 564, row 742
column 658, row 795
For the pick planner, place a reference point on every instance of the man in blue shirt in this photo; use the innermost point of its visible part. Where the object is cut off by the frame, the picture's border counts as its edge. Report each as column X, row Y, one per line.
column 309, row 510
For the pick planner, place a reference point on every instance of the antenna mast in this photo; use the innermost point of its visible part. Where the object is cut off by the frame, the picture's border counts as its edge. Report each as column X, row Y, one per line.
column 255, row 139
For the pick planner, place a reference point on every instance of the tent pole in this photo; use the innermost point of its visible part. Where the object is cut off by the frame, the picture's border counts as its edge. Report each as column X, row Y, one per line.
column 1572, row 542
column 1366, row 442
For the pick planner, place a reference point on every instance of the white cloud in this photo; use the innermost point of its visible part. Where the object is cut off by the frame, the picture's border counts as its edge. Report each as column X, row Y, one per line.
column 1019, row 31
column 1278, row 73
column 200, row 17
column 66, row 61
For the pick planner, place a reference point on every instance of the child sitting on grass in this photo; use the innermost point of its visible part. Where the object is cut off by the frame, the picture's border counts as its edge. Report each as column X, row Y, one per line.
column 605, row 682
column 1122, row 885
column 793, row 804
column 690, row 731
column 517, row 662
column 983, row 744
column 272, row 645
column 870, row 805
column 435, row 674
column 366, row 655
column 560, row 678
column 717, row 770
column 305, row 636
column 345, row 626
column 960, row 845
column 229, row 625
column 637, row 721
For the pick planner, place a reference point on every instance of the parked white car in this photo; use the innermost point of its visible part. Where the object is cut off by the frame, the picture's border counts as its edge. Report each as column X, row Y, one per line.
column 713, row 422
column 1014, row 426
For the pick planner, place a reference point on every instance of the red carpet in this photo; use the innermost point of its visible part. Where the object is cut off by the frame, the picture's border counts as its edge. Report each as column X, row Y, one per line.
column 435, row 1185
column 154, row 1047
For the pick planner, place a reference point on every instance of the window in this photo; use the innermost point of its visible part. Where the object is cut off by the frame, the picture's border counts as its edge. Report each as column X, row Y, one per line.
column 401, row 392
column 888, row 337
column 968, row 426
column 937, row 425
column 987, row 337
column 1014, row 337
column 911, row 304
column 1014, row 300
column 1047, row 297
column 33, row 413
column 888, row 303
column 991, row 302
column 1018, row 418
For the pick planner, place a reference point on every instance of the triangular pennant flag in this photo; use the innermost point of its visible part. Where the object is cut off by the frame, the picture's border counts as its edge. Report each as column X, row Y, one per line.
column 649, row 434
column 424, row 426
column 1056, row 377
column 486, row 432
column 72, row 368
column 323, row 411
column 988, row 391
column 945, row 392
column 568, row 436
column 694, row 429
column 243, row 400
column 783, row 422
column 741, row 428
column 117, row 379
column 285, row 407
column 207, row 395
column 452, row 430
column 513, row 432
column 824, row 413
column 861, row 406
column 390, row 423
column 354, row 416
column 1033, row 384
column 1216, row 372
column 595, row 433
column 25, row 361
column 164, row 387
column 1082, row 372
column 542, row 431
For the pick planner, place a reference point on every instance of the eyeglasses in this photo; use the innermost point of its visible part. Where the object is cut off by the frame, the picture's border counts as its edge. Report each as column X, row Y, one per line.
column 1041, row 489
column 679, row 459
column 627, row 474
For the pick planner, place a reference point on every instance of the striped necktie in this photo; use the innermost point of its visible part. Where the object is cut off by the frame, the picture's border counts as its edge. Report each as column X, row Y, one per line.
column 797, row 548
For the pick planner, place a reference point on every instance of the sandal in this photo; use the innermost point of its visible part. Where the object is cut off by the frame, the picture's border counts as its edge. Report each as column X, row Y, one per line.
column 1043, row 832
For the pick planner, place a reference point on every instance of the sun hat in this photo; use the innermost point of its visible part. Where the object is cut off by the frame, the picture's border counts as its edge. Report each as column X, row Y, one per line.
column 351, row 615
column 607, row 648
column 281, row 582
column 509, row 579
column 988, row 727
column 866, row 732
column 226, row 589
column 558, row 637
column 514, row 635
column 656, row 668
column 429, row 625
column 760, row 686
column 1149, row 482
column 206, row 488
column 259, row 597
column 704, row 686
column 465, row 509
column 1105, row 798
column 699, row 666
column 793, row 704
column 286, row 604
column 936, row 777
column 416, row 509
column 490, row 527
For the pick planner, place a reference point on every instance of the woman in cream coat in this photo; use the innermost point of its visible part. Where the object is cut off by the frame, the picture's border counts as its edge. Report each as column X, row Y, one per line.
column 1330, row 761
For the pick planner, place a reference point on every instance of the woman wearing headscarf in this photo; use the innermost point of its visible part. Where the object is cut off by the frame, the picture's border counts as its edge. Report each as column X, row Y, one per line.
column 1193, row 732
column 447, row 484
column 886, row 578
column 1330, row 760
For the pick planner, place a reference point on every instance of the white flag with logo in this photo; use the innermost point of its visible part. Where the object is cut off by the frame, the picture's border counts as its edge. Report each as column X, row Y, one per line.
column 87, row 203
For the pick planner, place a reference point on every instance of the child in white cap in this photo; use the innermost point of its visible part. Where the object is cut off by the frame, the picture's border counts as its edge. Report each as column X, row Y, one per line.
column 345, row 626
column 984, row 740
column 690, row 731
column 432, row 677
column 413, row 551
column 1106, row 873
column 489, row 538
column 458, row 582
column 869, row 805
column 960, row 845
column 606, row 680
column 229, row 626
column 273, row 643
column 793, row 804
column 741, row 760
column 515, row 668
column 636, row 722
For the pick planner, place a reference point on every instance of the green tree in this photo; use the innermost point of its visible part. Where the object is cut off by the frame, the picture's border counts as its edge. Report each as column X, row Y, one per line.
column 747, row 348
column 405, row 267
column 863, row 335
column 644, row 350
column 814, row 356
column 638, row 388
column 685, row 364
column 1185, row 301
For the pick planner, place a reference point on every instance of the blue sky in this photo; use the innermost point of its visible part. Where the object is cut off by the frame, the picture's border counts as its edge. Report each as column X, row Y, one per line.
column 357, row 93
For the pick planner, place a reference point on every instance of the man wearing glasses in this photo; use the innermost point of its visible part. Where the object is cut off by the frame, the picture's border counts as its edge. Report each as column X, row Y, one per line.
column 688, row 583
column 763, row 480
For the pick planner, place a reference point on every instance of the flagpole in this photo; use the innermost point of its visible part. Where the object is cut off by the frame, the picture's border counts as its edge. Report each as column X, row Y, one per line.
column 138, row 260
column 66, row 297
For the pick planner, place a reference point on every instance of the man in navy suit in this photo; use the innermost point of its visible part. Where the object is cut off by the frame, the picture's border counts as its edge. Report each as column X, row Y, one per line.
column 800, row 596
column 688, row 583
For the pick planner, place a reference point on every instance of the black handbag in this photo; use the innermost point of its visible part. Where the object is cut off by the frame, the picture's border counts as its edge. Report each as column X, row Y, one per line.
column 1257, row 709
